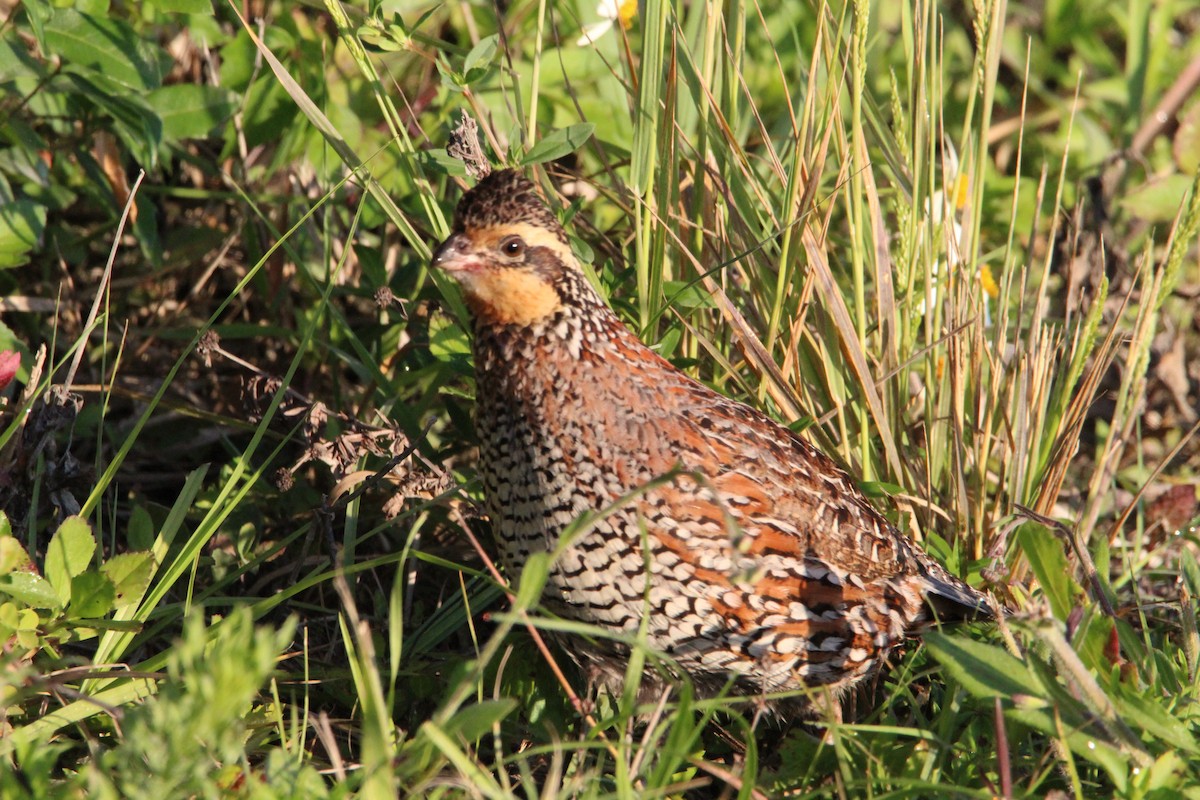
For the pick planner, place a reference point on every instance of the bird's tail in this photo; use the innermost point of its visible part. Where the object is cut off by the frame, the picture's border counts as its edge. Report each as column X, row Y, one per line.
column 951, row 600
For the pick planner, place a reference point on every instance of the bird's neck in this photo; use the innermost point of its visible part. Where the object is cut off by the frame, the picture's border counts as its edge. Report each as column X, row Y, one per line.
column 579, row 327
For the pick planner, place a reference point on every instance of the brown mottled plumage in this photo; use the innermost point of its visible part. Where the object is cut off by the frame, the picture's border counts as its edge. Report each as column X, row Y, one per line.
column 750, row 554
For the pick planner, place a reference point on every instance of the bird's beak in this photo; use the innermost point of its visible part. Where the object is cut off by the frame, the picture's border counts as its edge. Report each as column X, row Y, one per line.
column 454, row 254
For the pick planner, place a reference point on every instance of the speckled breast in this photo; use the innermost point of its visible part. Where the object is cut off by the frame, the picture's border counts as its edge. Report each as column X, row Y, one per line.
column 545, row 465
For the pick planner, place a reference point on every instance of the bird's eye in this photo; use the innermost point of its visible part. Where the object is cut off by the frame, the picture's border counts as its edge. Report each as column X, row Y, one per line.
column 512, row 246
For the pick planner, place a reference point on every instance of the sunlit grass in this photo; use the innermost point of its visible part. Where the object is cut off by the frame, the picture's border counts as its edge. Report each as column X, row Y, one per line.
column 848, row 215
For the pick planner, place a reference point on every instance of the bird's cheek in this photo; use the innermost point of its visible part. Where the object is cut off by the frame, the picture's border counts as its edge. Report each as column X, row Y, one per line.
column 471, row 278
column 508, row 296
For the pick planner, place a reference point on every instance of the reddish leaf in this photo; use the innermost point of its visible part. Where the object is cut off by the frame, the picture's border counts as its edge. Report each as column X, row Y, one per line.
column 10, row 362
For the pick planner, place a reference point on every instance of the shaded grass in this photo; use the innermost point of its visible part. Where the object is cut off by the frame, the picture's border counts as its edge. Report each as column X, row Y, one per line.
column 805, row 208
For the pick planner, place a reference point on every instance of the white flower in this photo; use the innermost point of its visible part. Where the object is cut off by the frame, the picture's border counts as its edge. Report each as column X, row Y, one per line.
column 945, row 207
column 610, row 12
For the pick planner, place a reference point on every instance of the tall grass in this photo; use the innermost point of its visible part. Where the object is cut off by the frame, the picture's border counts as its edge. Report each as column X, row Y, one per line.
column 806, row 207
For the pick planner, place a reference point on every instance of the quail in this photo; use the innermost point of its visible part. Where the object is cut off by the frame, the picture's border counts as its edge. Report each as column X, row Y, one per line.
column 751, row 558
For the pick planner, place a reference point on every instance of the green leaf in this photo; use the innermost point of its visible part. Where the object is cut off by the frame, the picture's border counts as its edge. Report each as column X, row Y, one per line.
column 189, row 111
column 130, row 574
column 583, row 251
column 474, row 721
column 92, row 595
column 983, row 670
column 450, row 79
column 267, row 111
column 1152, row 718
column 447, row 341
column 1186, row 144
column 15, row 61
column 238, row 63
column 881, row 489
column 39, row 15
column 12, row 555
column 1036, row 700
column 1158, row 199
column 183, row 6
column 69, row 554
column 668, row 342
column 441, row 161
column 138, row 127
column 1162, row 780
column 533, row 579
column 687, row 294
column 14, row 620
column 106, row 46
column 32, row 590
column 480, row 58
column 1049, row 562
column 1190, row 570
column 21, row 226
column 559, row 143
column 141, row 529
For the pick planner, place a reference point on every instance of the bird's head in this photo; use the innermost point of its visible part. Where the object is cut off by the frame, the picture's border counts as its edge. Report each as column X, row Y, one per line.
column 507, row 252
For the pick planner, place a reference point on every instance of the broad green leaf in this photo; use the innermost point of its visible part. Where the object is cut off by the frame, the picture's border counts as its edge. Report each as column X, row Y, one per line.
column 11, row 616
column 447, row 341
column 440, row 160
column 32, row 590
column 15, row 61
column 92, row 595
column 69, row 554
column 474, row 721
column 106, row 46
column 1151, row 717
column 266, row 111
column 21, row 226
column 183, row 6
column 559, row 143
column 1158, row 199
column 238, row 63
column 12, row 555
column 586, row 255
column 687, row 294
column 481, row 55
column 138, row 127
column 883, row 489
column 141, row 529
column 982, row 669
column 189, row 111
column 1162, row 780
column 668, row 342
column 1034, row 699
column 1049, row 562
column 130, row 574
column 8, row 620
column 1092, row 638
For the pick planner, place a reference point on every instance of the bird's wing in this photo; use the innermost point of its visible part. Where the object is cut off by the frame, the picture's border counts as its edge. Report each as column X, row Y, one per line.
column 769, row 503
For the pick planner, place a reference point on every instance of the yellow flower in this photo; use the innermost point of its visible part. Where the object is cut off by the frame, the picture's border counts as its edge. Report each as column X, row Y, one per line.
column 989, row 282
column 961, row 185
